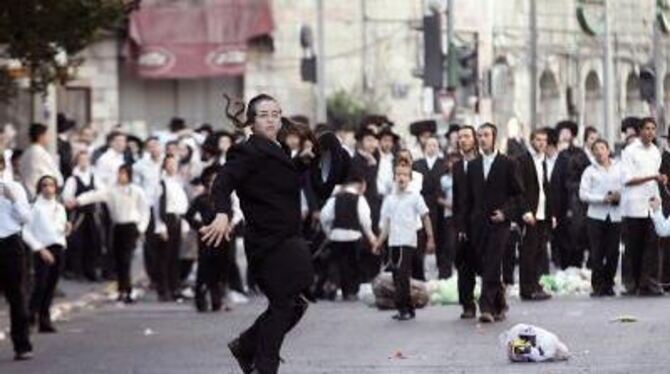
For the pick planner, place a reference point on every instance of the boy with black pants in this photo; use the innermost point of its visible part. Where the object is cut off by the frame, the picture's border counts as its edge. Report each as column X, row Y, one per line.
column 345, row 215
column 400, row 211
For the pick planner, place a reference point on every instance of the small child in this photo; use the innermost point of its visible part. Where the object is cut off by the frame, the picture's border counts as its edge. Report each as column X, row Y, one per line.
column 345, row 217
column 214, row 263
column 45, row 235
column 400, row 211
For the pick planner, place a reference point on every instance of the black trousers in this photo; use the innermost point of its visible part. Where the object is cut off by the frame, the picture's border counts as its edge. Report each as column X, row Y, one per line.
column 282, row 274
column 401, row 265
column 83, row 248
column 13, row 275
column 491, row 246
column 510, row 257
column 532, row 256
column 640, row 267
column 604, row 238
column 467, row 264
column 149, row 250
column 346, row 254
column 445, row 246
column 125, row 241
column 561, row 243
column 212, row 274
column 168, row 267
column 419, row 258
column 45, row 281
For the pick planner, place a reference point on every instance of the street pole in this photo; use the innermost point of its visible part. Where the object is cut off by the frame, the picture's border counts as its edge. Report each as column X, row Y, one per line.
column 451, row 60
column 364, row 45
column 607, row 72
column 533, row 64
column 321, row 116
column 659, row 71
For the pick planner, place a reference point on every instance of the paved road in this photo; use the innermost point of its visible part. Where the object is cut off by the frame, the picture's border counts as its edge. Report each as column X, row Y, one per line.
column 151, row 338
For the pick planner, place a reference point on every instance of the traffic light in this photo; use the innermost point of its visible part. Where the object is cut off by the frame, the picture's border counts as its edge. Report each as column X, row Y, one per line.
column 463, row 66
column 433, row 70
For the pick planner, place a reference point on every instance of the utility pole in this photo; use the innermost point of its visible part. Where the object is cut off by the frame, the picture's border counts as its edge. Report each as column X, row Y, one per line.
column 364, row 45
column 533, row 64
column 451, row 53
column 659, row 73
column 608, row 79
column 321, row 116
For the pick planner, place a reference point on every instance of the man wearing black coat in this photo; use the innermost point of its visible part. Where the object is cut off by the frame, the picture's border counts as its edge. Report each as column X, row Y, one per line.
column 536, row 216
column 433, row 167
column 493, row 192
column 465, row 259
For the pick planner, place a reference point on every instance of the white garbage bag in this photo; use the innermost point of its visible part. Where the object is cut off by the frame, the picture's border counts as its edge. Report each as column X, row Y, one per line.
column 528, row 343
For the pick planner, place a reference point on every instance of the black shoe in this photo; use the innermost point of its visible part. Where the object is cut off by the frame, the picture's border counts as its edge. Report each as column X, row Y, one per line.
column 609, row 292
column 47, row 328
column 536, row 296
column 404, row 316
column 23, row 356
column 651, row 292
column 499, row 317
column 486, row 318
column 596, row 294
column 468, row 313
column 246, row 362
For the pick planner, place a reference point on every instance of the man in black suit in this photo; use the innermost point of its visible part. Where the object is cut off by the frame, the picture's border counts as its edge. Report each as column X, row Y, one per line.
column 665, row 199
column 536, row 216
column 433, row 167
column 64, row 126
column 267, row 182
column 465, row 259
column 493, row 192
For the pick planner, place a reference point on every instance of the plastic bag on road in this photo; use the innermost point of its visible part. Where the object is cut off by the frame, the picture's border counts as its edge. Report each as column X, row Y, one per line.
column 445, row 292
column 528, row 343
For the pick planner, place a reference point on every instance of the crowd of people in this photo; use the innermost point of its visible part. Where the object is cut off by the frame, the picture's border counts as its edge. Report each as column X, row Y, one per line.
column 545, row 203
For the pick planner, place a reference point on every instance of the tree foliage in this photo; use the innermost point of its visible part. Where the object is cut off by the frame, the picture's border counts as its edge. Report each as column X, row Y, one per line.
column 46, row 36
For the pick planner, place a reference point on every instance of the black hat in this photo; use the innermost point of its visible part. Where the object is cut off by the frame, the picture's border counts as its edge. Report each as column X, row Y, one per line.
column 362, row 133
column 205, row 127
column 631, row 123
column 377, row 120
column 452, row 129
column 64, row 124
column 419, row 127
column 567, row 124
column 387, row 131
column 177, row 124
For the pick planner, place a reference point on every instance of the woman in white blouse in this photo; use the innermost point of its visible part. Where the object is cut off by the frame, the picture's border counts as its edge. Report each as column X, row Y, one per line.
column 600, row 188
column 129, row 213
column 45, row 235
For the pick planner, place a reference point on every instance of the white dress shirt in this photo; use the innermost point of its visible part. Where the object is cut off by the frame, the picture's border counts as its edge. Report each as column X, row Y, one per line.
column 400, row 211
column 345, row 235
column 487, row 161
column 35, row 163
column 176, row 201
column 107, row 167
column 638, row 161
column 595, row 184
column 661, row 224
column 13, row 215
column 147, row 174
column 447, row 184
column 8, row 173
column 385, row 173
column 47, row 226
column 126, row 204
column 538, row 162
column 70, row 188
column 551, row 162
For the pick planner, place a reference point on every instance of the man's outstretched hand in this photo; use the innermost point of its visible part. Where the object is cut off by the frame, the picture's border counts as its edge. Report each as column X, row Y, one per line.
column 214, row 233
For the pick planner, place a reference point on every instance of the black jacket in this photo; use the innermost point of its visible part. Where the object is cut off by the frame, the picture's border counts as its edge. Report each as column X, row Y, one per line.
column 665, row 169
column 268, row 185
column 459, row 201
column 500, row 191
column 531, row 195
column 432, row 188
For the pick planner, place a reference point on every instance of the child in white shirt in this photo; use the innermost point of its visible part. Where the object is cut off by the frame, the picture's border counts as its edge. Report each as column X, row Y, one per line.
column 400, row 211
column 45, row 235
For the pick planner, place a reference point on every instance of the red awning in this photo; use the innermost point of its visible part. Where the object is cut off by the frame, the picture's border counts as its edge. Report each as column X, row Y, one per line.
column 179, row 41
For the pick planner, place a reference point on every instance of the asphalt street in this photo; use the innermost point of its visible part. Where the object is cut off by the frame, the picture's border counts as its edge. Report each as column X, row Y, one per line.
column 337, row 337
